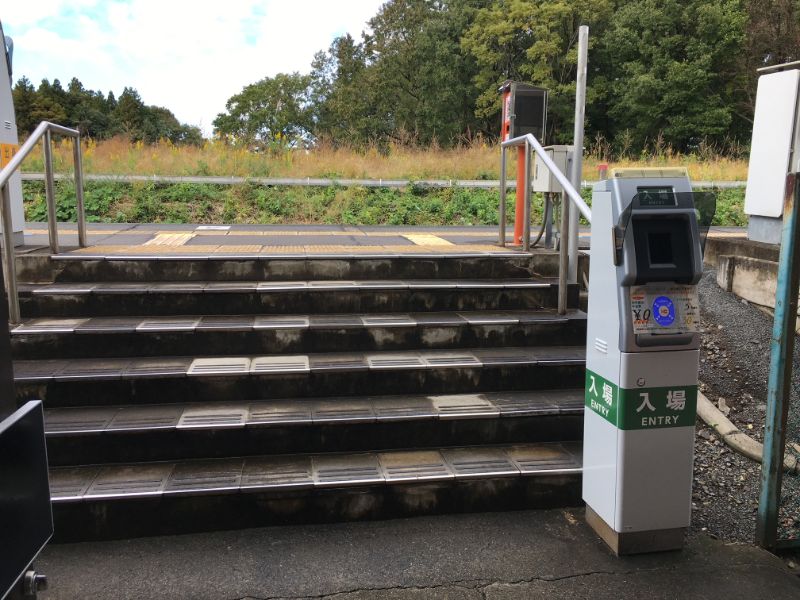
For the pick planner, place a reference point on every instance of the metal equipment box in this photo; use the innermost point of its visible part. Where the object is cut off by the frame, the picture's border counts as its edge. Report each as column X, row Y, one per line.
column 543, row 178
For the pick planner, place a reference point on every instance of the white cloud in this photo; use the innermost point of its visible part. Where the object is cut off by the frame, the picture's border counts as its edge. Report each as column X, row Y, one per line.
column 188, row 56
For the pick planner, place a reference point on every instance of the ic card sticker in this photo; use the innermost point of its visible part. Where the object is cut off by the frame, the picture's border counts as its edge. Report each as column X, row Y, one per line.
column 670, row 309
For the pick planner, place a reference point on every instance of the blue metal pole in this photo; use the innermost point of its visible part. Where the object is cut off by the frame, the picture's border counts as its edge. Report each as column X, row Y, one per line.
column 780, row 370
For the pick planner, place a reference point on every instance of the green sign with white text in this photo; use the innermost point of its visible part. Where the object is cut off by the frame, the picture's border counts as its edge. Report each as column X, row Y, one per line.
column 641, row 408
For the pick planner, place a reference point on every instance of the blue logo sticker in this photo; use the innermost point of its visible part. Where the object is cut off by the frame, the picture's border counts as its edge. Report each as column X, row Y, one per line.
column 663, row 311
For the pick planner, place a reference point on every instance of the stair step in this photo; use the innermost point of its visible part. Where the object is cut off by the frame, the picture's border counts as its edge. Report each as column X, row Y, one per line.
column 40, row 371
column 329, row 411
column 103, row 434
column 263, row 473
column 258, row 267
column 107, row 381
column 128, row 500
column 210, row 335
column 264, row 287
column 191, row 324
column 74, row 300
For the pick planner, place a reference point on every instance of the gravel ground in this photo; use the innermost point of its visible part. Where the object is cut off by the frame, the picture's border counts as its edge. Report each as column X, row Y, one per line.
column 734, row 364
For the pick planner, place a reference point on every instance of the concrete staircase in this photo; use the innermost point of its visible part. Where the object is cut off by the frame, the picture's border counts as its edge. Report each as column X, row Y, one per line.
column 187, row 394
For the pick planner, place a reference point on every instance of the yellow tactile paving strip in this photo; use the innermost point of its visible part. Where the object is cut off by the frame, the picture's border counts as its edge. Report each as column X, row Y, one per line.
column 122, row 250
column 727, row 234
column 169, row 239
column 427, row 239
column 216, row 232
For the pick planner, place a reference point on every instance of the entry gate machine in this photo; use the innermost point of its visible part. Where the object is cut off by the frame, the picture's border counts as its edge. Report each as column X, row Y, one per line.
column 642, row 357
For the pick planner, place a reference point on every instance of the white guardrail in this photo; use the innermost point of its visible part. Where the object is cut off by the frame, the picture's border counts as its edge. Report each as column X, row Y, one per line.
column 327, row 182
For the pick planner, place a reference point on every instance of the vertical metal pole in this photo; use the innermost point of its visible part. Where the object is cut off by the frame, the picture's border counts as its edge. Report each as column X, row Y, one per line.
column 780, row 369
column 9, row 258
column 50, row 192
column 79, row 204
column 502, row 238
column 563, row 257
column 526, row 225
column 520, row 200
column 577, row 160
column 548, row 220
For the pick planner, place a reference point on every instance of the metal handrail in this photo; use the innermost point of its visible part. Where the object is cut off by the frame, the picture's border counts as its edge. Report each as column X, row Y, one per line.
column 44, row 131
column 530, row 142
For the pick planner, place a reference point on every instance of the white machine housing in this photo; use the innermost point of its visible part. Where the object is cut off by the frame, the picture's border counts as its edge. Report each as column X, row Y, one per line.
column 638, row 479
column 9, row 139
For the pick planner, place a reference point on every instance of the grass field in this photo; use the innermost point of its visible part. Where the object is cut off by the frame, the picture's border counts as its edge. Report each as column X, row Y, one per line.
column 248, row 203
column 477, row 160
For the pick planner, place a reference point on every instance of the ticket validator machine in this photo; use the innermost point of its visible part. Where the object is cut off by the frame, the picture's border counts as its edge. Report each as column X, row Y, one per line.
column 648, row 231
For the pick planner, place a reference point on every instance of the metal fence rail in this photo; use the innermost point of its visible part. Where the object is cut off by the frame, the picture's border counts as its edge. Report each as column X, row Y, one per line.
column 43, row 132
column 491, row 184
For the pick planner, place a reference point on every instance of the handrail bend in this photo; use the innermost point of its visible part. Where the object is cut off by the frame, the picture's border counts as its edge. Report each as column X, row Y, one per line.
column 44, row 131
column 530, row 141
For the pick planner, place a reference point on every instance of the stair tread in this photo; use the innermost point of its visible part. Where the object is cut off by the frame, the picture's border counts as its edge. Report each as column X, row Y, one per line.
column 189, row 324
column 87, row 369
column 307, row 411
column 451, row 252
column 199, row 287
column 275, row 473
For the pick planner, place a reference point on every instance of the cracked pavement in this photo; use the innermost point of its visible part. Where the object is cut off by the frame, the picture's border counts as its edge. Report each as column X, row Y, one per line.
column 494, row 556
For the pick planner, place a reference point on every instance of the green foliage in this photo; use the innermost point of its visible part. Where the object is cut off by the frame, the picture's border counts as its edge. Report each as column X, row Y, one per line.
column 96, row 115
column 730, row 208
column 273, row 111
column 675, row 57
column 250, row 203
column 675, row 74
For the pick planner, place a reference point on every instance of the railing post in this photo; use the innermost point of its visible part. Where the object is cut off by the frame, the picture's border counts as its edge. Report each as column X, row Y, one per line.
column 520, row 196
column 50, row 193
column 779, row 387
column 503, row 166
column 79, row 204
column 9, row 257
column 526, row 225
column 563, row 256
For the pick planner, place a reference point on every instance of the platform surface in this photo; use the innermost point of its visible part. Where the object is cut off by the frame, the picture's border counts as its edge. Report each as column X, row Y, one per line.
column 530, row 554
column 143, row 239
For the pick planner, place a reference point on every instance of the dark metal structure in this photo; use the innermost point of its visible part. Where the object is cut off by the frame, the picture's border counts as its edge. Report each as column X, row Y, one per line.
column 26, row 518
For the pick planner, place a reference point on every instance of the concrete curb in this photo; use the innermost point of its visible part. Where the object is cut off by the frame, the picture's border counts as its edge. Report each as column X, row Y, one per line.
column 735, row 437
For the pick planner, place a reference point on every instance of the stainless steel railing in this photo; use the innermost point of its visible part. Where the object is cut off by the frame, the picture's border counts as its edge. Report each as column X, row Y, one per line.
column 43, row 132
column 532, row 144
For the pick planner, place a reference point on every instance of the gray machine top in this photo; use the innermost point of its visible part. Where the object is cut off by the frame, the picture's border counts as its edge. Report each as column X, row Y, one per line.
column 659, row 228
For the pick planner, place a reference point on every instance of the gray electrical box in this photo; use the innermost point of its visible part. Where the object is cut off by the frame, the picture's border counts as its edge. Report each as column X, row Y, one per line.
column 543, row 178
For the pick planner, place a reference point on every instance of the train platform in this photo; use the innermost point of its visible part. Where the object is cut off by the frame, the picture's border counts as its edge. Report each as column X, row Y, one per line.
column 195, row 240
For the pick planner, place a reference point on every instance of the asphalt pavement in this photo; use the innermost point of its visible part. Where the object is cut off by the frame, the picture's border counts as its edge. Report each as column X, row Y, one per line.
column 531, row 554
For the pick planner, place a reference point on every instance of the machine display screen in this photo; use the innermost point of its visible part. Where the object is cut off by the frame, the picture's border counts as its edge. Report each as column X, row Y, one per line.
column 663, row 248
column 659, row 246
column 653, row 197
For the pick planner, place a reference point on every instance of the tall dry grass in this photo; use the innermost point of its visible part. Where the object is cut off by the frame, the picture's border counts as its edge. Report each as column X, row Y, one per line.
column 476, row 160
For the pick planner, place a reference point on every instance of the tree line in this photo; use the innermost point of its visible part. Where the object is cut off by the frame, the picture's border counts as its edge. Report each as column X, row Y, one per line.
column 670, row 72
column 96, row 114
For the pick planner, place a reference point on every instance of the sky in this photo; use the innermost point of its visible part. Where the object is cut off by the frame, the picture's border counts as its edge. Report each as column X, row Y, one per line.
column 188, row 56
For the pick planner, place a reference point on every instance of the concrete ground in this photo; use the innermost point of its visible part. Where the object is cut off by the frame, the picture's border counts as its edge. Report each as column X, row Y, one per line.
column 531, row 554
